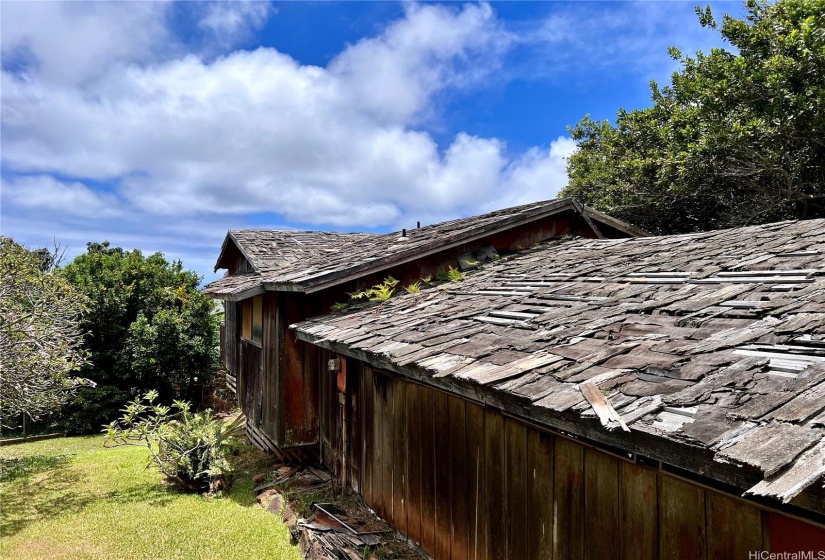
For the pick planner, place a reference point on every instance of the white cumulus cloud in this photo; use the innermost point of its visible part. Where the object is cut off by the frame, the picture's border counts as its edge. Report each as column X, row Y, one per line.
column 71, row 42
column 181, row 138
column 43, row 193
column 234, row 20
column 256, row 131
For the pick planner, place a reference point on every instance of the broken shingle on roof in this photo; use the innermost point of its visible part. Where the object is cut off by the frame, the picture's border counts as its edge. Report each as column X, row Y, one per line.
column 307, row 260
column 712, row 344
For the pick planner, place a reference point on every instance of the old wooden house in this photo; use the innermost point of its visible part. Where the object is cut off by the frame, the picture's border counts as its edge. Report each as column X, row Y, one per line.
column 653, row 397
column 276, row 278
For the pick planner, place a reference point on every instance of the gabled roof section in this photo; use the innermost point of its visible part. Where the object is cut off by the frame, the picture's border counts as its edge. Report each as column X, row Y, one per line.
column 312, row 260
column 706, row 350
column 278, row 250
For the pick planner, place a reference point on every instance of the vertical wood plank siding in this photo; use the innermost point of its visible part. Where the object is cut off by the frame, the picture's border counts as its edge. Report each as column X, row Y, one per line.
column 249, row 381
column 681, row 519
column 601, row 501
column 414, row 495
column 474, row 433
column 516, row 488
column 231, row 335
column 294, row 408
column 568, row 502
column 356, row 440
column 459, row 512
column 638, row 499
column 270, row 365
column 398, row 424
column 495, row 502
column 465, row 482
column 367, row 418
column 329, row 417
column 539, row 495
column 426, row 404
column 443, row 487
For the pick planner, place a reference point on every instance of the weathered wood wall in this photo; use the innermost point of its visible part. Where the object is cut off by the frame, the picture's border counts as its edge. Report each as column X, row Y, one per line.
column 293, row 370
column 250, row 374
column 230, row 336
column 270, row 366
column 468, row 483
column 255, row 373
column 277, row 381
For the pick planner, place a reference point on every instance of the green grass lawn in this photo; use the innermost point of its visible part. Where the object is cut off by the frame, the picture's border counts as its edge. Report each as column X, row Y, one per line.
column 76, row 499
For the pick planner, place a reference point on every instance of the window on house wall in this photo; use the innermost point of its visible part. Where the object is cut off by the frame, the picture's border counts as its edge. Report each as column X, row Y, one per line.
column 252, row 328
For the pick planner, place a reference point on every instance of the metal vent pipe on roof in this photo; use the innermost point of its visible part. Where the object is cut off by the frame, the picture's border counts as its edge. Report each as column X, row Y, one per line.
column 404, row 232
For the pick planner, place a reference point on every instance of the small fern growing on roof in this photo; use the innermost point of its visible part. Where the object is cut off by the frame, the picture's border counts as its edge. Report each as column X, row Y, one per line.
column 379, row 292
column 384, row 290
column 455, row 275
column 338, row 307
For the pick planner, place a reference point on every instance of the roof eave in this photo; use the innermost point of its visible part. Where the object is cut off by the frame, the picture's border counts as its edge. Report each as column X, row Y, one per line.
column 335, row 278
column 638, row 444
column 237, row 296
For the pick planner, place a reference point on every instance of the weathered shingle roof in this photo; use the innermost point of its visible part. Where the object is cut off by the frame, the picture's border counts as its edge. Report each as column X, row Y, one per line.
column 303, row 259
column 712, row 341
column 280, row 254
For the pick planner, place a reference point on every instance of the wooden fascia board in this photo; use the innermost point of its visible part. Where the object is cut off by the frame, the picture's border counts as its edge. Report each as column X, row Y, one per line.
column 588, row 219
column 284, row 287
column 606, row 219
column 418, row 253
column 239, row 296
column 226, row 240
column 238, row 246
column 694, row 459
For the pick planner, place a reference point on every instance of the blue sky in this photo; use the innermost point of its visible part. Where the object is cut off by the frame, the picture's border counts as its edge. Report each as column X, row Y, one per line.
column 159, row 125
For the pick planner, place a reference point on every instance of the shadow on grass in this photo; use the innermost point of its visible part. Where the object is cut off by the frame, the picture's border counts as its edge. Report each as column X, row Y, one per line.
column 61, row 491
column 12, row 468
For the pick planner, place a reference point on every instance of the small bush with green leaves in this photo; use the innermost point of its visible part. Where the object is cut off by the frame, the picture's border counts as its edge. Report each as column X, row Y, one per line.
column 189, row 448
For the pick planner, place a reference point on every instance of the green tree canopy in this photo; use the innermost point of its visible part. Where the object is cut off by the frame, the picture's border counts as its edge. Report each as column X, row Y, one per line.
column 738, row 137
column 148, row 328
column 40, row 334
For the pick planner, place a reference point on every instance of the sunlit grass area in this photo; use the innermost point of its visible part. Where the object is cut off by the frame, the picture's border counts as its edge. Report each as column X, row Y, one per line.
column 73, row 498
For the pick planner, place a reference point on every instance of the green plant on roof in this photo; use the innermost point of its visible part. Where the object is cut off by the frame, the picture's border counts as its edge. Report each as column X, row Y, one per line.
column 355, row 296
column 413, row 288
column 427, row 280
column 379, row 292
column 338, row 306
column 455, row 275
column 384, row 290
